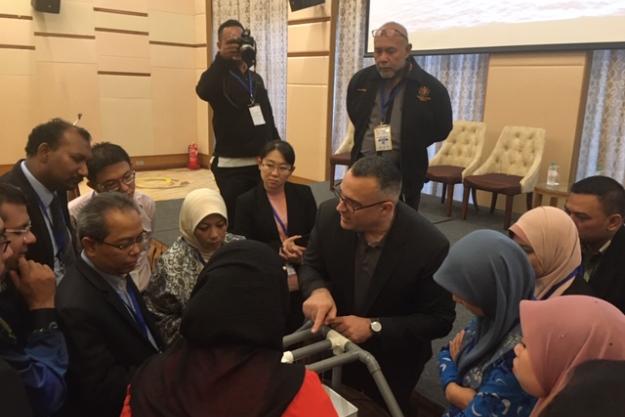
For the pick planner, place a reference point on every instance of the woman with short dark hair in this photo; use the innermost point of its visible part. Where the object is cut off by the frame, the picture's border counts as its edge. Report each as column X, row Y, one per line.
column 280, row 214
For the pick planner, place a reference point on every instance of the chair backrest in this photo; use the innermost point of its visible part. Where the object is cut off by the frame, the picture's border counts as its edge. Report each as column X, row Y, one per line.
column 463, row 147
column 519, row 151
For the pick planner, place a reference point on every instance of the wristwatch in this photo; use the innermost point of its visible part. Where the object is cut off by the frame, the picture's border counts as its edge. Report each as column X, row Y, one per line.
column 376, row 326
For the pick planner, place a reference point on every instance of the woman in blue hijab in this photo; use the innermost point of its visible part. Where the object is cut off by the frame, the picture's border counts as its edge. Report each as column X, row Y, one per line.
column 488, row 274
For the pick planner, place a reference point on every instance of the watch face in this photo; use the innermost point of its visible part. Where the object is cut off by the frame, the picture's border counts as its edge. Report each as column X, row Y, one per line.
column 376, row 326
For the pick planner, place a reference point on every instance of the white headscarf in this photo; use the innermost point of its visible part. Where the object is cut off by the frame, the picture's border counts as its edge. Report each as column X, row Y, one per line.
column 196, row 206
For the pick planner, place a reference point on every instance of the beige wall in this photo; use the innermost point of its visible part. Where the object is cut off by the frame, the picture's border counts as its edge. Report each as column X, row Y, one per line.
column 122, row 63
column 308, row 88
column 541, row 90
column 126, row 71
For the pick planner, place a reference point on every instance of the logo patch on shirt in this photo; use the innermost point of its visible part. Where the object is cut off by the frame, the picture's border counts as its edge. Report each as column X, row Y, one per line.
column 423, row 94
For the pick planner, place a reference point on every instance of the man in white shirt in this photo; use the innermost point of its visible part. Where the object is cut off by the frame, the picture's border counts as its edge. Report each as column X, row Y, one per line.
column 110, row 170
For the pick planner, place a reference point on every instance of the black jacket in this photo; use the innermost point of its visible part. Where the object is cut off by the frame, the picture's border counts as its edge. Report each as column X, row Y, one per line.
column 412, row 308
column 235, row 133
column 105, row 344
column 608, row 279
column 41, row 251
column 426, row 118
column 254, row 216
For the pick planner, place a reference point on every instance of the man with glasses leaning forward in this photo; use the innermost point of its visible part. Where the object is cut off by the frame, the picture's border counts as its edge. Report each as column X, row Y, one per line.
column 109, row 331
column 30, row 339
column 398, row 109
column 367, row 273
column 110, row 169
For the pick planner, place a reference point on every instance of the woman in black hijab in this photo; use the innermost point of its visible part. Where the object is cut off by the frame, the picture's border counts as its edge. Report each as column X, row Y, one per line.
column 228, row 361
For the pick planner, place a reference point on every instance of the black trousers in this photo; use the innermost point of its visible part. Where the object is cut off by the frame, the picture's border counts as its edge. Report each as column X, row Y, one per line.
column 233, row 182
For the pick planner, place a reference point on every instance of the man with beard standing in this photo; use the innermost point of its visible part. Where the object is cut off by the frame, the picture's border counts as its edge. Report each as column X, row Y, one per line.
column 398, row 109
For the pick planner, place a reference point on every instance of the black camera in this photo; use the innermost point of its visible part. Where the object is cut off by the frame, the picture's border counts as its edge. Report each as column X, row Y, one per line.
column 247, row 48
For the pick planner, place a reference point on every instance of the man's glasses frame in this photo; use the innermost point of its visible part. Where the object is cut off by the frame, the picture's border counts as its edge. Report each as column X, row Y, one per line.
column 141, row 240
column 21, row 231
column 115, row 185
column 388, row 32
column 352, row 205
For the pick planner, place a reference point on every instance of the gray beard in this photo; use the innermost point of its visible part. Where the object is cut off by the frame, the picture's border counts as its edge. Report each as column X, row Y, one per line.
column 387, row 75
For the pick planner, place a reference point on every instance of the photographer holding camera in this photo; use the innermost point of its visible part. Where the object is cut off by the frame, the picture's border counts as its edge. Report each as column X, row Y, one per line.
column 242, row 116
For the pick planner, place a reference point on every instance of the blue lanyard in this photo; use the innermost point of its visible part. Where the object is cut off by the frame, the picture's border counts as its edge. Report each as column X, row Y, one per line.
column 571, row 276
column 279, row 220
column 249, row 87
column 59, row 239
column 386, row 102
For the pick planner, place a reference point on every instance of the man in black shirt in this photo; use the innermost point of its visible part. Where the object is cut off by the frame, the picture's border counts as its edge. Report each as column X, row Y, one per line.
column 597, row 206
column 242, row 116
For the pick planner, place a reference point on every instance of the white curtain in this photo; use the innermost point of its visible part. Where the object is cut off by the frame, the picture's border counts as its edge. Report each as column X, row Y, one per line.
column 350, row 50
column 463, row 75
column 267, row 21
column 602, row 149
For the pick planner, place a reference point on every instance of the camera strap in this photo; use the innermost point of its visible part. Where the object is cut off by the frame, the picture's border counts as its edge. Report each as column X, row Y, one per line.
column 249, row 87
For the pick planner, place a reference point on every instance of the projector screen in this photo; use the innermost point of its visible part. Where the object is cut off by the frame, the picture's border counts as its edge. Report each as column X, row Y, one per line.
column 466, row 26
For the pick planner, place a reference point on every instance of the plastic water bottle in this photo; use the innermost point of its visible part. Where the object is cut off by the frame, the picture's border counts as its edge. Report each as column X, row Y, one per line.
column 553, row 176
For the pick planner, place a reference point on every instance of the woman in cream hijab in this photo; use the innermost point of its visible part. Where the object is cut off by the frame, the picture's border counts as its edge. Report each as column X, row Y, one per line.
column 549, row 238
column 203, row 225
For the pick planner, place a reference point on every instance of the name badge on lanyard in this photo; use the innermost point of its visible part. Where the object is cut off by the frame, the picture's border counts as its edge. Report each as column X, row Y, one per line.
column 257, row 115
column 383, row 138
column 382, row 133
column 255, row 111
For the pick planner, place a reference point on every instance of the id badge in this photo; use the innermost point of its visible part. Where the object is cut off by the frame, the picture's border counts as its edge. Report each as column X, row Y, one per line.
column 257, row 115
column 382, row 135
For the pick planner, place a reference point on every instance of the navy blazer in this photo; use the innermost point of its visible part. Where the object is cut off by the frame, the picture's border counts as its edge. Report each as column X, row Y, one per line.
column 254, row 215
column 105, row 343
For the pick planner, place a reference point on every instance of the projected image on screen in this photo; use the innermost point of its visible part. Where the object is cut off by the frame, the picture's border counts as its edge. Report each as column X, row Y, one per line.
column 482, row 25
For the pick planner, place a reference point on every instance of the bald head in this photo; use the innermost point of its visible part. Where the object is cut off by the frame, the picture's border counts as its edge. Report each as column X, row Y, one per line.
column 391, row 49
column 393, row 29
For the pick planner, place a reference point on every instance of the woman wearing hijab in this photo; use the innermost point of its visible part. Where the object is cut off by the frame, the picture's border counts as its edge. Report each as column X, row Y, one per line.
column 549, row 238
column 280, row 214
column 488, row 274
column 596, row 385
column 203, row 225
column 560, row 334
column 228, row 361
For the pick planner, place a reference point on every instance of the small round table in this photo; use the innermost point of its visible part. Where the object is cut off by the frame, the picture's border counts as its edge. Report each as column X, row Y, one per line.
column 554, row 192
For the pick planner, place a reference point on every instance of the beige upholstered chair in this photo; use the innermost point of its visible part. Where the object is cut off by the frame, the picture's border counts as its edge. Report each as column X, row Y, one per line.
column 511, row 169
column 458, row 157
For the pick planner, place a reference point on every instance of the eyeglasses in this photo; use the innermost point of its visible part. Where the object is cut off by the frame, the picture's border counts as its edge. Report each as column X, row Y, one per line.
column 282, row 169
column 141, row 240
column 388, row 32
column 353, row 205
column 22, row 231
column 115, row 185
column 4, row 243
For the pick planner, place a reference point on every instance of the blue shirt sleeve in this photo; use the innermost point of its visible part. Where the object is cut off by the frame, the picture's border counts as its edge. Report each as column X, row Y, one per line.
column 447, row 368
column 500, row 394
column 42, row 364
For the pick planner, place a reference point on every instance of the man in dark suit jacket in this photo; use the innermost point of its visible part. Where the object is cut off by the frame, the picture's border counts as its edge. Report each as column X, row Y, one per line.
column 108, row 329
column 367, row 273
column 56, row 157
column 597, row 206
